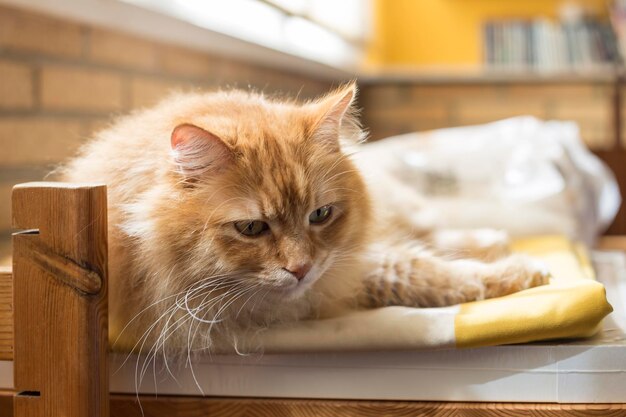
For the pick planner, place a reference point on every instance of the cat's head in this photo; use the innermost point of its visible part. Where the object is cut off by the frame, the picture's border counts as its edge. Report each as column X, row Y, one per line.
column 267, row 194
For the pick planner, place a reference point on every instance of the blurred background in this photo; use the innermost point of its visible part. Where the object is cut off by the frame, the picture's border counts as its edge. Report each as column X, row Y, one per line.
column 68, row 66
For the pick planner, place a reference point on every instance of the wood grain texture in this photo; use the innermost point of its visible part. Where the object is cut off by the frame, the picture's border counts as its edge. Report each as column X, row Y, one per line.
column 615, row 243
column 615, row 158
column 60, row 300
column 127, row 406
column 6, row 403
column 6, row 314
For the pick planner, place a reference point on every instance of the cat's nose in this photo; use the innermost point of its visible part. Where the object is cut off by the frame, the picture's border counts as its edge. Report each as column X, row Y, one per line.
column 299, row 270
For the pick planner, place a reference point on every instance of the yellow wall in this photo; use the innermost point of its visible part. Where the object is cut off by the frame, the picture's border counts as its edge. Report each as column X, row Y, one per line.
column 446, row 32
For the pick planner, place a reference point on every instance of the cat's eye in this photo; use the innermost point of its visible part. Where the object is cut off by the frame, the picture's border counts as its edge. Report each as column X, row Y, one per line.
column 251, row 228
column 320, row 215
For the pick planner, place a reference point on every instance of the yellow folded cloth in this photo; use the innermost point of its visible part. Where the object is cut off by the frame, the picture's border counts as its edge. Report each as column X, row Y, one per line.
column 572, row 305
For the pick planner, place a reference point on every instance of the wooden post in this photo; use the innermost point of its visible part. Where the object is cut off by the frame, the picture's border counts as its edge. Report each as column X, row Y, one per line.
column 60, row 300
column 6, row 315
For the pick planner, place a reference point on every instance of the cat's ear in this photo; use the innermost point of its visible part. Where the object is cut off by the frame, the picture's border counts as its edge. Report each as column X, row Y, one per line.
column 337, row 116
column 197, row 151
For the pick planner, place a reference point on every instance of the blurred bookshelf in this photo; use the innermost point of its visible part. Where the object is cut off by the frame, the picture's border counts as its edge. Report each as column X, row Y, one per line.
column 504, row 41
column 543, row 46
column 617, row 15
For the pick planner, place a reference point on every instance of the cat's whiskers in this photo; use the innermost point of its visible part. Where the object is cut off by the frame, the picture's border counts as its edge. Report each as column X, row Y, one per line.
column 163, row 351
column 154, row 304
column 136, row 316
column 259, row 301
column 251, row 296
column 191, row 338
column 159, row 343
column 339, row 160
column 206, row 306
column 345, row 156
column 223, row 308
column 185, row 301
column 176, row 306
column 238, row 294
column 193, row 292
column 326, row 181
column 143, row 339
column 334, row 165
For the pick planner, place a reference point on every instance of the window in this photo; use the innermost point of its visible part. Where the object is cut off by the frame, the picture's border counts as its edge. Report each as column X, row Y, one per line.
column 328, row 31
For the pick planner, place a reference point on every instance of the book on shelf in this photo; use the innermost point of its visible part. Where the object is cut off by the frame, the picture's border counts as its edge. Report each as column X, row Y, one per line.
column 617, row 13
column 544, row 45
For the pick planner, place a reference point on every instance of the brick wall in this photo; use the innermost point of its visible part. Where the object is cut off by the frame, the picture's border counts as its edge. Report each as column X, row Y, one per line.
column 393, row 108
column 60, row 80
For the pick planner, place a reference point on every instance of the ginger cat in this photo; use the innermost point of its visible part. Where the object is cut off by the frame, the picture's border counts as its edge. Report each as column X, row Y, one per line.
column 229, row 211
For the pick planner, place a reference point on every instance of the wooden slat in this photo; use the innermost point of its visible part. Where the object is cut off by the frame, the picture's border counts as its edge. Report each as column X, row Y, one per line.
column 6, row 403
column 163, row 406
column 615, row 160
column 616, row 243
column 6, row 314
column 60, row 300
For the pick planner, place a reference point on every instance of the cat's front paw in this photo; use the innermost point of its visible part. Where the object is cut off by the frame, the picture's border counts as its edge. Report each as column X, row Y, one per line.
column 516, row 273
column 537, row 272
